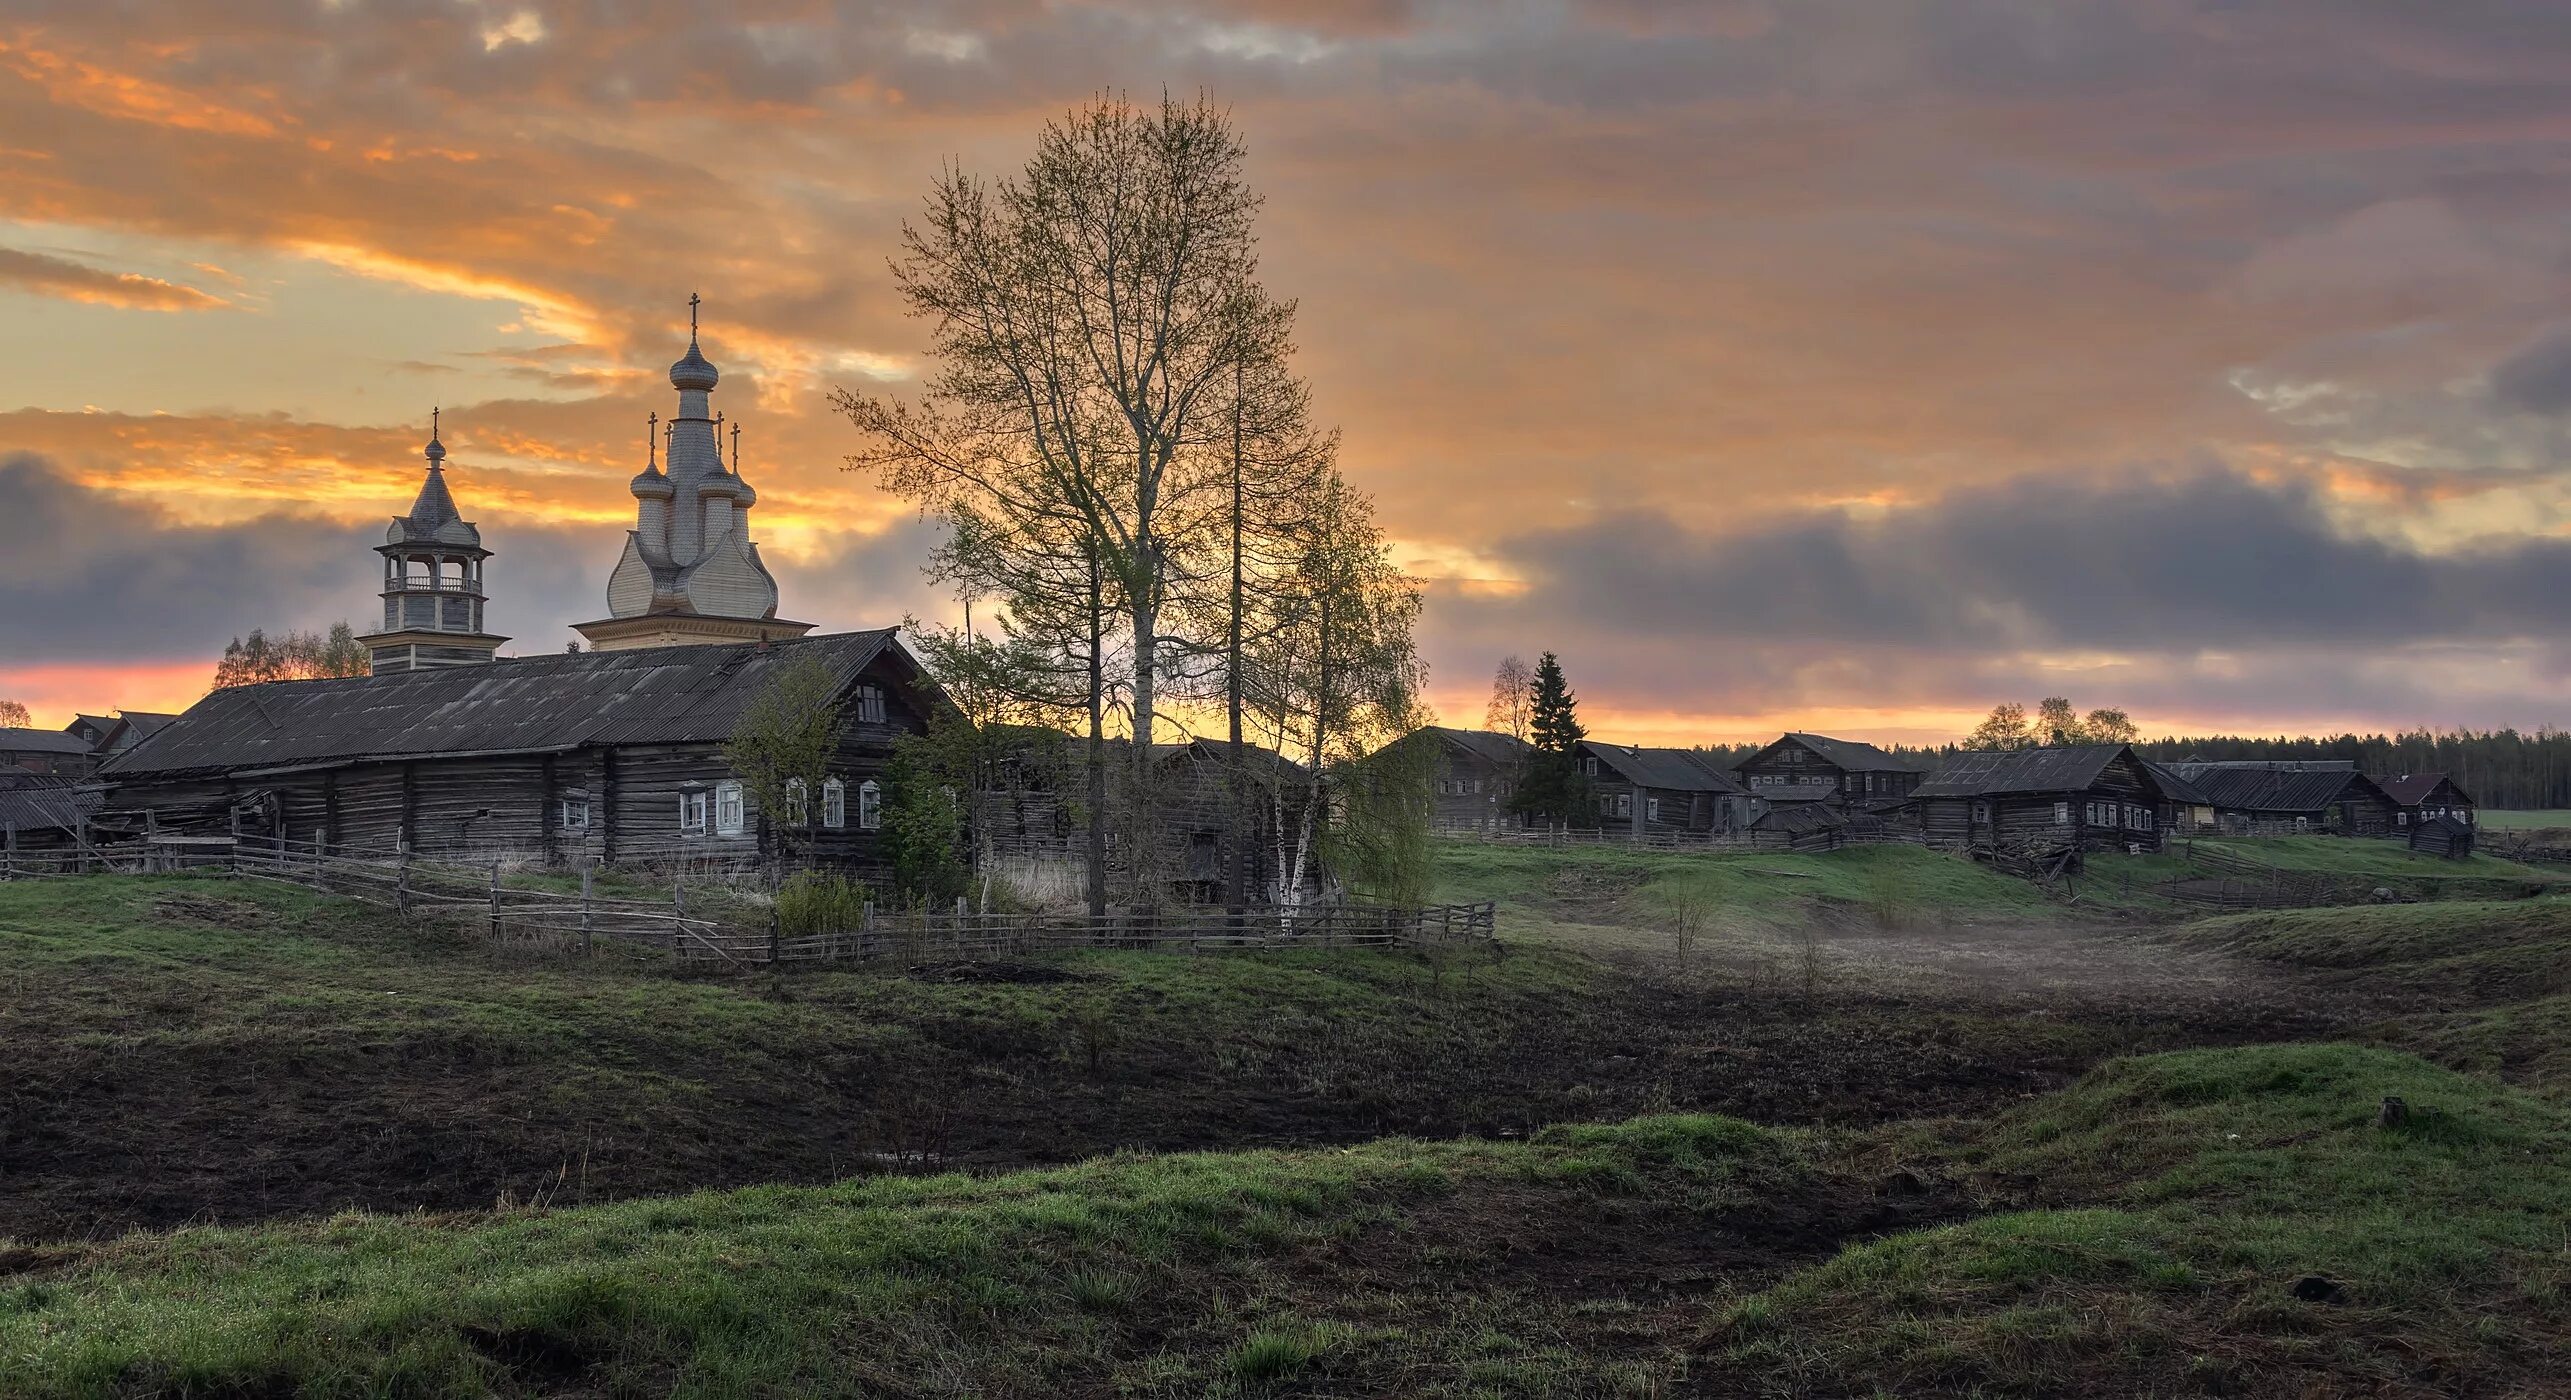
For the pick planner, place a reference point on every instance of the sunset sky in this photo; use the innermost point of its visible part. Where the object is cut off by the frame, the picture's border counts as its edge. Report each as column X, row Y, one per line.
column 1844, row 365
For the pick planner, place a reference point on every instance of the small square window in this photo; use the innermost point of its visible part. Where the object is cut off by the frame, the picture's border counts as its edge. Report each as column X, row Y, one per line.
column 572, row 814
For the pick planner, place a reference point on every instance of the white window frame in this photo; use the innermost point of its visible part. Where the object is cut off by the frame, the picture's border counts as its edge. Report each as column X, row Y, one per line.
column 570, row 806
column 798, row 802
column 731, row 811
column 870, row 806
column 2062, row 814
column 1651, row 809
column 834, row 804
column 693, row 809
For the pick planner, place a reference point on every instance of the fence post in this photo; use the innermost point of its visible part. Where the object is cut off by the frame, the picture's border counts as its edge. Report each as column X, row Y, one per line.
column 495, row 901
column 9, row 856
column 587, row 875
column 402, row 883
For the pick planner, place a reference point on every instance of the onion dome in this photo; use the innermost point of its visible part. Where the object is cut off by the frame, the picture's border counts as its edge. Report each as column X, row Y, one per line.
column 652, row 481
column 693, row 370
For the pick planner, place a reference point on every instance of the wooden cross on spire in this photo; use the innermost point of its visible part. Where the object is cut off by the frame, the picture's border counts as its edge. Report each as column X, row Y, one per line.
column 692, row 300
column 652, row 439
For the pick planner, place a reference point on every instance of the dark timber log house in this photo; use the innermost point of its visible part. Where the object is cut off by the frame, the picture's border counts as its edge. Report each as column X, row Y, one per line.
column 612, row 755
column 1817, row 768
column 2422, row 797
column 1662, row 791
column 1476, row 775
column 2330, row 798
column 2087, row 797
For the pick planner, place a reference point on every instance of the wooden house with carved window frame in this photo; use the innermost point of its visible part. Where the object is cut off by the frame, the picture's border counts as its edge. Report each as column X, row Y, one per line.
column 1662, row 791
column 612, row 756
column 1818, row 768
column 2084, row 797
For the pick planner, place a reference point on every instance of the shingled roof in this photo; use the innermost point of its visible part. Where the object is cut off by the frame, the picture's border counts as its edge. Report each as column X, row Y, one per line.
column 1851, row 756
column 1672, row 770
column 534, row 704
column 15, row 740
column 1487, row 744
column 2411, row 789
column 1987, row 773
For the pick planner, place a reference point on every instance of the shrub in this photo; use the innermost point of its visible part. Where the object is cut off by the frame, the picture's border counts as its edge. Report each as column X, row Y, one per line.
column 818, row 902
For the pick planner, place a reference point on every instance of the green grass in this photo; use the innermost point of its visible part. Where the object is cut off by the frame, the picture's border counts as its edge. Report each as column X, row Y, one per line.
column 2480, row 986
column 2178, row 1199
column 943, row 1286
column 1606, row 884
column 2499, row 819
column 409, row 1066
column 2356, row 866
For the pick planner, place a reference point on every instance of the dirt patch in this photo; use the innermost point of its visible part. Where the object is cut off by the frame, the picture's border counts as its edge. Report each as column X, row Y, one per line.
column 189, row 907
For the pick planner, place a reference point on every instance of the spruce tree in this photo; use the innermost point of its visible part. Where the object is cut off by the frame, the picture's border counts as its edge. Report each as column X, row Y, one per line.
column 1552, row 788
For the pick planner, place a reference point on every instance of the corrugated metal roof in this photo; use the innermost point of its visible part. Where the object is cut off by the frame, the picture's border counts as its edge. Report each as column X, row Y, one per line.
column 533, row 704
column 1986, row 773
column 1673, row 770
column 43, row 806
column 2175, row 787
column 1851, row 755
column 2258, row 787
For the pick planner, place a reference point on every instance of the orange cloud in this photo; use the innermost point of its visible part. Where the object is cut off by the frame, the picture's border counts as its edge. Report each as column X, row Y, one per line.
column 72, row 281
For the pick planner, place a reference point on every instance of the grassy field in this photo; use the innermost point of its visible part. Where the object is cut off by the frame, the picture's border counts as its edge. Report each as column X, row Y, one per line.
column 2500, row 819
column 271, row 1052
column 2143, row 1231
column 2213, row 1222
column 1482, row 1176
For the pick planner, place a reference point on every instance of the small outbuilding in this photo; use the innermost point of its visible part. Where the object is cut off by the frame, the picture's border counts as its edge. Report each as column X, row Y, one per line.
column 2422, row 797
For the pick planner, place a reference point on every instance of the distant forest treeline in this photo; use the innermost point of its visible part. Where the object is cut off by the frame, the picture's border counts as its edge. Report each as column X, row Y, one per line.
column 2499, row 767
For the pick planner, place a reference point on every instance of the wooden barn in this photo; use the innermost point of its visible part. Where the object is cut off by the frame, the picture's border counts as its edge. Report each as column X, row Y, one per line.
column 52, row 752
column 1477, row 774
column 2323, row 797
column 2422, row 797
column 2086, row 797
column 1662, row 791
column 1818, row 768
column 2184, row 806
column 616, row 756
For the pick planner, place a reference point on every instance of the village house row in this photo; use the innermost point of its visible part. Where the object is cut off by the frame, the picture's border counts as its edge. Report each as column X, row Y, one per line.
column 616, row 752
column 1810, row 791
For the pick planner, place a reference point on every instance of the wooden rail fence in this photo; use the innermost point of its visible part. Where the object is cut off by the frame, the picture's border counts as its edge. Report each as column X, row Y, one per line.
column 558, row 921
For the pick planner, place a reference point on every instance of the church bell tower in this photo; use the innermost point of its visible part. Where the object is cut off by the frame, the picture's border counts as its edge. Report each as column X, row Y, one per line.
column 433, row 597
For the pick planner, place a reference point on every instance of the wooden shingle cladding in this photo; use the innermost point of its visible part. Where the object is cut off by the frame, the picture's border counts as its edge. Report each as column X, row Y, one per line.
column 614, row 756
column 2422, row 797
column 1660, row 791
column 1476, row 775
column 2092, row 796
column 1818, row 768
column 2323, row 797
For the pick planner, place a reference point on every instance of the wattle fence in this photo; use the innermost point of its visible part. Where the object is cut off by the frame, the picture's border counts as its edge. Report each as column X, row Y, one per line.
column 725, row 930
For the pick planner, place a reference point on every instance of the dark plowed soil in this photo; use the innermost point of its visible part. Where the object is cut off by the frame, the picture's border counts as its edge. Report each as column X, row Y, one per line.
column 99, row 1135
